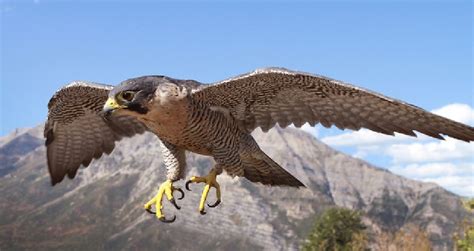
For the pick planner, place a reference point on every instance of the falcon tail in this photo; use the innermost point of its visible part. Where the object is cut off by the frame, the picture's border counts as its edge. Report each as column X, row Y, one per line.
column 261, row 168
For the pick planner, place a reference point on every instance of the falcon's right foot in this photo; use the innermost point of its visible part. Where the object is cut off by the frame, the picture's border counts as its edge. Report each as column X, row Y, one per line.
column 210, row 181
column 167, row 189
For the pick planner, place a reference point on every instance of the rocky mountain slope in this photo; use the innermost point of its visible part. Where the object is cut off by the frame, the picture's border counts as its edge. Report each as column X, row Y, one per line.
column 102, row 207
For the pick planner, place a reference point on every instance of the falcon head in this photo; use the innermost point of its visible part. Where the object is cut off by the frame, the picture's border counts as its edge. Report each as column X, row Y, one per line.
column 138, row 95
column 132, row 96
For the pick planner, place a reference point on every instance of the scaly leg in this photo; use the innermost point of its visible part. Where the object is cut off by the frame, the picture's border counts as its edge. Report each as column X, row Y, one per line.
column 167, row 189
column 210, row 181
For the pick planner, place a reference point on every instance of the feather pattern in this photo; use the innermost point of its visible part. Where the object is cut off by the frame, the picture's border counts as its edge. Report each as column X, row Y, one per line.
column 76, row 132
column 269, row 96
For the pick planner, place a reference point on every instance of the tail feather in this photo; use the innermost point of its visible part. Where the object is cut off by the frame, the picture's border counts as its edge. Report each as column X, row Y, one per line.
column 261, row 168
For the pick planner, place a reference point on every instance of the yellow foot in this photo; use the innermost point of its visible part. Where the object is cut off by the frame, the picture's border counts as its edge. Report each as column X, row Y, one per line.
column 167, row 189
column 210, row 181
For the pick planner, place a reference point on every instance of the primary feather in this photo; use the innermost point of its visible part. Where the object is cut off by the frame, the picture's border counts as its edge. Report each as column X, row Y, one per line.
column 275, row 95
column 76, row 131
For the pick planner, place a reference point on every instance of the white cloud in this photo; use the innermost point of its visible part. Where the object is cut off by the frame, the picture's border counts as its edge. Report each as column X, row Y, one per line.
column 450, row 149
column 462, row 185
column 455, row 177
column 364, row 151
column 363, row 137
column 435, row 169
column 458, row 112
column 448, row 163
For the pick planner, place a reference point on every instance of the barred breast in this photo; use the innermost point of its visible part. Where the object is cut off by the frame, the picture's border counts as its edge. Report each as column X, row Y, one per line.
column 207, row 130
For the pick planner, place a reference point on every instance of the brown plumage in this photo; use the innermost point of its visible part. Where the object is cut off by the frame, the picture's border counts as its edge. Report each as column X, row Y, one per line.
column 76, row 132
column 217, row 119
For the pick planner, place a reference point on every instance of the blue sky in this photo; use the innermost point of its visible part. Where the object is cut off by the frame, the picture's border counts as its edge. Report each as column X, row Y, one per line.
column 420, row 52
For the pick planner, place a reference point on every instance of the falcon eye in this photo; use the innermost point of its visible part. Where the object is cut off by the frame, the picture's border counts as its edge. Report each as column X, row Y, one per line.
column 127, row 96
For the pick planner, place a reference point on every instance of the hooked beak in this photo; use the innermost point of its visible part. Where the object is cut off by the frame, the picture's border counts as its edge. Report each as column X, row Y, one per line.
column 110, row 106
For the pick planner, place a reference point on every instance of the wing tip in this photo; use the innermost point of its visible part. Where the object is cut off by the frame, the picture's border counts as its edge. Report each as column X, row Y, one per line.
column 49, row 135
column 55, row 180
column 296, row 184
column 76, row 83
column 301, row 185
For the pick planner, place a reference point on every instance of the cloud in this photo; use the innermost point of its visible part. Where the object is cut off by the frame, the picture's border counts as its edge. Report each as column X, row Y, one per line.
column 364, row 151
column 363, row 137
column 450, row 149
column 455, row 177
column 448, row 163
column 458, row 112
column 434, row 170
column 462, row 185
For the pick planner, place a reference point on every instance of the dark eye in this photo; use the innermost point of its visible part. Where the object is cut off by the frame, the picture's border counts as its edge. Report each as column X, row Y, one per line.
column 128, row 95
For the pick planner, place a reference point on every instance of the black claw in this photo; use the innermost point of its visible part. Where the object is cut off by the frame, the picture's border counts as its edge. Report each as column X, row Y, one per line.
column 215, row 204
column 163, row 219
column 202, row 212
column 174, row 204
column 149, row 211
column 187, row 185
column 181, row 191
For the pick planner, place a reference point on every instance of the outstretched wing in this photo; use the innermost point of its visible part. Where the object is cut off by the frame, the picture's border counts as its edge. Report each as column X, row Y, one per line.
column 276, row 95
column 76, row 132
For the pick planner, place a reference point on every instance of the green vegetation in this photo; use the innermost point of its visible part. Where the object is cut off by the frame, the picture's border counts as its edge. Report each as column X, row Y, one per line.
column 337, row 229
column 409, row 238
column 465, row 241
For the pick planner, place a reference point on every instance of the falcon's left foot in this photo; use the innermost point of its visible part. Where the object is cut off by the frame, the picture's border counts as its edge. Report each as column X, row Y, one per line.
column 210, row 181
column 167, row 189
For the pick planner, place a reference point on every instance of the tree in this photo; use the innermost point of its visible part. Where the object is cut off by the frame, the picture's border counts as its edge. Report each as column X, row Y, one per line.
column 465, row 241
column 408, row 238
column 337, row 229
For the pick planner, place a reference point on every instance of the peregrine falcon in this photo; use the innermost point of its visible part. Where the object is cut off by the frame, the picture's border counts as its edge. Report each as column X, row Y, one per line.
column 86, row 119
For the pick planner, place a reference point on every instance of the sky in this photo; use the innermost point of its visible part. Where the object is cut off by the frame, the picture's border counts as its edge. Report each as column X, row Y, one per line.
column 416, row 51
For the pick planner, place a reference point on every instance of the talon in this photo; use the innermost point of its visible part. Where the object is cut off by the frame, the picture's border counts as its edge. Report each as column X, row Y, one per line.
column 187, row 185
column 166, row 189
column 210, row 181
column 181, row 191
column 174, row 204
column 149, row 211
column 163, row 219
column 218, row 201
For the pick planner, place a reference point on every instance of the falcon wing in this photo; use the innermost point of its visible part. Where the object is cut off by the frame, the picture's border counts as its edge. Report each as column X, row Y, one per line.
column 275, row 95
column 76, row 132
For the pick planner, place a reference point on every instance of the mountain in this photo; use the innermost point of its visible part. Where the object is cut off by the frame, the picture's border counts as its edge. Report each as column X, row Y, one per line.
column 102, row 208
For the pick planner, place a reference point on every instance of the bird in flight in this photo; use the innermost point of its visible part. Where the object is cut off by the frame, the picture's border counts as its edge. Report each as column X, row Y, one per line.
column 86, row 119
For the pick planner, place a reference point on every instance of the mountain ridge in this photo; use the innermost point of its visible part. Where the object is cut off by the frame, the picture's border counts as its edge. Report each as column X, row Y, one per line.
column 103, row 204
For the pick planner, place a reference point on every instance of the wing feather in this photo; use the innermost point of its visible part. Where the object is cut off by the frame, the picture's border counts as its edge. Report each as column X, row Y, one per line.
column 269, row 96
column 76, row 132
